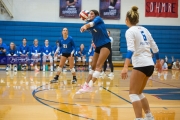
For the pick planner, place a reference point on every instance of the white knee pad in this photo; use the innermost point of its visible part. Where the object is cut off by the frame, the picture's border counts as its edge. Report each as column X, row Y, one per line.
column 141, row 96
column 84, row 60
column 51, row 59
column 91, row 72
column 96, row 74
column 79, row 59
column 72, row 70
column 59, row 69
column 134, row 97
column 90, row 60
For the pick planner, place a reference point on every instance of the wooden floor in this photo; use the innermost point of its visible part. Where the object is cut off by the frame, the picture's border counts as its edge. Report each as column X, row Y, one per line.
column 29, row 96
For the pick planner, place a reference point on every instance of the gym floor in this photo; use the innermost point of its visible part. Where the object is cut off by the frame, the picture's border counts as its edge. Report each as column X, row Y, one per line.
column 27, row 95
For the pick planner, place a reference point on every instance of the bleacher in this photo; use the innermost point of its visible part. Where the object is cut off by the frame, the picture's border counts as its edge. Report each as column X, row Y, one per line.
column 166, row 37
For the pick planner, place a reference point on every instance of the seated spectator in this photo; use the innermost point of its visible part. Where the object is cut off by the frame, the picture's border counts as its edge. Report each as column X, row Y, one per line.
column 11, row 51
column 3, row 48
column 24, row 51
column 57, row 53
column 47, row 51
column 35, row 52
column 81, row 54
column 91, row 53
column 176, row 65
column 164, row 65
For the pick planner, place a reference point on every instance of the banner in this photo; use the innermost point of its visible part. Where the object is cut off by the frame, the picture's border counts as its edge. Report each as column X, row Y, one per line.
column 161, row 8
column 70, row 8
column 110, row 9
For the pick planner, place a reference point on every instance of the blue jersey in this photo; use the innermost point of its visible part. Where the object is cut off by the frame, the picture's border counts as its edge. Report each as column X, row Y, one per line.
column 47, row 50
column 56, row 48
column 36, row 49
column 83, row 52
column 11, row 51
column 23, row 49
column 3, row 46
column 99, row 32
column 91, row 51
column 68, row 45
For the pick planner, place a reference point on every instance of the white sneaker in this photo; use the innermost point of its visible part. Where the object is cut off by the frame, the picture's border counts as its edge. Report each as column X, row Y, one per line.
column 15, row 68
column 44, row 68
column 51, row 68
column 111, row 74
column 7, row 68
column 138, row 119
column 149, row 118
column 102, row 73
column 85, row 89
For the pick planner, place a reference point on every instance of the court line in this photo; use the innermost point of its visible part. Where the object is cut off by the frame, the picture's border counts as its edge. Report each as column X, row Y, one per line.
column 34, row 95
column 165, row 83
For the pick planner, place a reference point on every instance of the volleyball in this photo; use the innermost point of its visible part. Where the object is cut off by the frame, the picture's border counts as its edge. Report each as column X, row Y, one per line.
column 84, row 15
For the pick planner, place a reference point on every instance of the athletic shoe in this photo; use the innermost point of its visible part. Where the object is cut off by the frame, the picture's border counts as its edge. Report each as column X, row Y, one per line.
column 85, row 89
column 111, row 74
column 36, row 69
column 102, row 73
column 15, row 69
column 55, row 80
column 7, row 68
column 74, row 81
column 149, row 118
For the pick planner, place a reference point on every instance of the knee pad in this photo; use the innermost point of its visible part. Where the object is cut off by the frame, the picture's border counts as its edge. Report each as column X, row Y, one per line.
column 91, row 72
column 79, row 59
column 72, row 70
column 59, row 69
column 141, row 96
column 134, row 97
column 96, row 74
column 90, row 60
column 84, row 60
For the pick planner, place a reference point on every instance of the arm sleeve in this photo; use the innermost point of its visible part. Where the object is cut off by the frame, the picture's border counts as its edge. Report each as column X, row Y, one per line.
column 130, row 41
column 153, row 45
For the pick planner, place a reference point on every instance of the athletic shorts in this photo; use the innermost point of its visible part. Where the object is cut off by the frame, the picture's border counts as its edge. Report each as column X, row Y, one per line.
column 108, row 46
column 147, row 70
column 67, row 55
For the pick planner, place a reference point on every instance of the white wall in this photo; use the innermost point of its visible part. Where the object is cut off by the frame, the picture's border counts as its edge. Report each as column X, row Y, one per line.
column 48, row 11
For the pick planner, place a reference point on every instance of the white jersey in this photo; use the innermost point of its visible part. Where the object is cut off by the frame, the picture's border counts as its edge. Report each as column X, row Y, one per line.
column 140, row 41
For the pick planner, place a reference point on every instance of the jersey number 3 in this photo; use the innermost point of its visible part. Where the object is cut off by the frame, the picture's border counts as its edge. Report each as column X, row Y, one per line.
column 144, row 36
column 64, row 45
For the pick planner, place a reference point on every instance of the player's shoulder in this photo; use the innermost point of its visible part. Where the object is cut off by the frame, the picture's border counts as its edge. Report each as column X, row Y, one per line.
column 70, row 37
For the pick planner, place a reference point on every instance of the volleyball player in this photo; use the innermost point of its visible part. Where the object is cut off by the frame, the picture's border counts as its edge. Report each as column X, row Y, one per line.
column 139, row 42
column 35, row 52
column 47, row 51
column 11, row 51
column 67, row 47
column 103, row 47
column 109, row 59
column 24, row 51
column 91, row 54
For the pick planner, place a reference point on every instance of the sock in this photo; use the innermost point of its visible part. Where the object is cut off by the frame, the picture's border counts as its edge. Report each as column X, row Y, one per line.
column 44, row 67
column 51, row 67
column 90, row 83
column 149, row 114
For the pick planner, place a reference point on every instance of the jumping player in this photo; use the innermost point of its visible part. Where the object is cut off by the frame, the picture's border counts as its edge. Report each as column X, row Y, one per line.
column 139, row 43
column 67, row 47
column 103, row 47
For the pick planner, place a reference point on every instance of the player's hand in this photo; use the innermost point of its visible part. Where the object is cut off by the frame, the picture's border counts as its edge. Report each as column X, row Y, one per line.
column 83, row 28
column 159, row 67
column 124, row 72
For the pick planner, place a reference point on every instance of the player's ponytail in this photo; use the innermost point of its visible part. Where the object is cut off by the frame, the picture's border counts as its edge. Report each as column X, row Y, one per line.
column 133, row 15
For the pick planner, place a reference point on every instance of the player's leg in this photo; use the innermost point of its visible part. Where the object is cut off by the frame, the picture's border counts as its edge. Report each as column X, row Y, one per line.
column 71, row 66
column 136, row 83
column 90, row 62
column 104, row 68
column 44, row 62
column 59, row 69
column 111, row 64
column 51, row 62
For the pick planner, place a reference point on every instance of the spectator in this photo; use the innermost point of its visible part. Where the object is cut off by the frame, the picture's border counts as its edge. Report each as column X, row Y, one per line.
column 91, row 53
column 176, row 65
column 47, row 51
column 164, row 65
column 35, row 52
column 81, row 54
column 24, row 51
column 11, row 51
column 57, row 53
column 3, row 48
